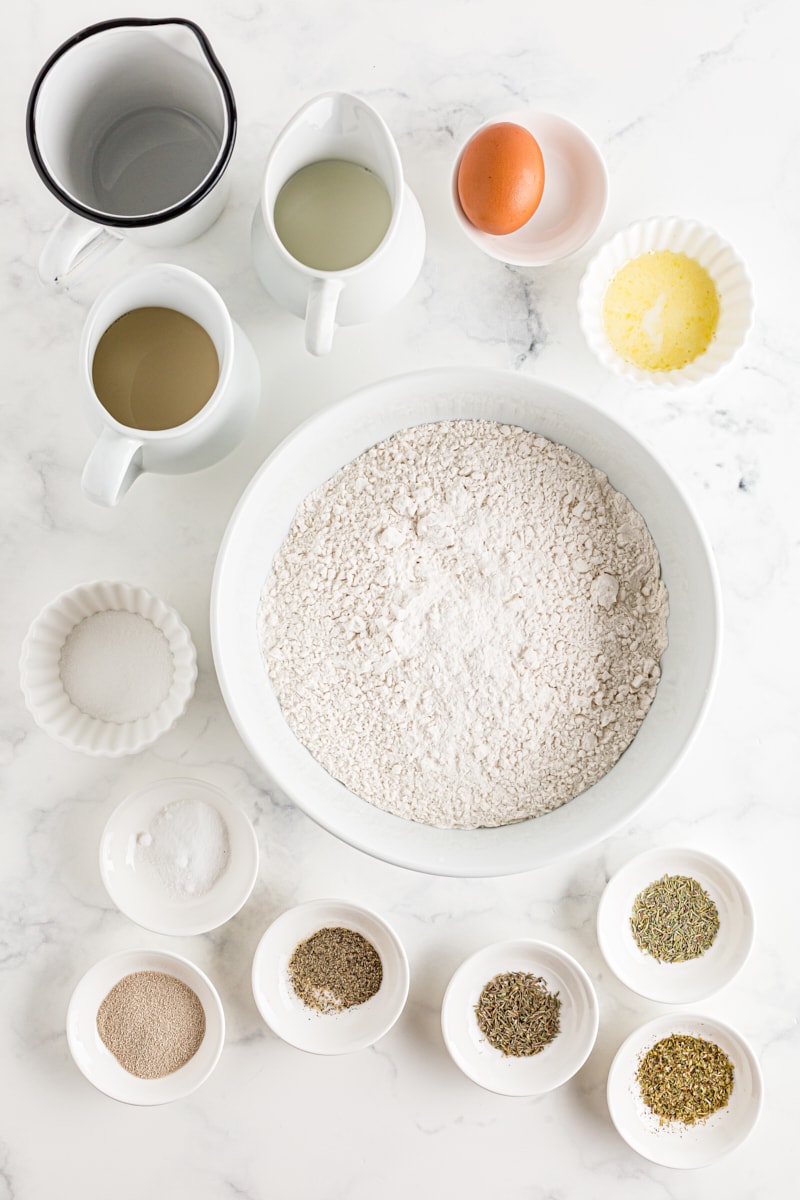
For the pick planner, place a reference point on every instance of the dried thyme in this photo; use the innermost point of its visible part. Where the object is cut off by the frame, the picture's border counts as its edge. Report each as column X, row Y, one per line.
column 685, row 1079
column 334, row 969
column 517, row 1014
column 674, row 919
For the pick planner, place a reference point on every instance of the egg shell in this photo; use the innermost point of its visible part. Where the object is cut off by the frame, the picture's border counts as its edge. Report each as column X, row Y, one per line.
column 501, row 178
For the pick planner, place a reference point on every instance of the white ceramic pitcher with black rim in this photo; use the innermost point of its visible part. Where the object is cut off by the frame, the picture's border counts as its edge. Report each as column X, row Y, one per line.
column 131, row 125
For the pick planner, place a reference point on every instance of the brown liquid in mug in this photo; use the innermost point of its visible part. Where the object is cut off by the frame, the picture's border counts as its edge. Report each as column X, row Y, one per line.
column 154, row 368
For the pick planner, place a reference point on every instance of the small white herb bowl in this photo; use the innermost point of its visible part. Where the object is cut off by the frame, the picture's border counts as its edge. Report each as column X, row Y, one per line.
column 327, row 1033
column 95, row 1060
column 673, row 1144
column 696, row 241
column 683, row 982
column 556, row 1063
column 573, row 201
column 50, row 705
column 135, row 887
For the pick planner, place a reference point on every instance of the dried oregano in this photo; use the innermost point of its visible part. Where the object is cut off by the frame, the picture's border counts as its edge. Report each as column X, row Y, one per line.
column 685, row 1079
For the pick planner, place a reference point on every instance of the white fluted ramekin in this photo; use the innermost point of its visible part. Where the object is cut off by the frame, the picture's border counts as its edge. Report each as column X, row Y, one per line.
column 50, row 705
column 682, row 237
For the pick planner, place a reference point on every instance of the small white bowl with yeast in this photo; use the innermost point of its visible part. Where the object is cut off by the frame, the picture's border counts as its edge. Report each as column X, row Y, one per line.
column 327, row 442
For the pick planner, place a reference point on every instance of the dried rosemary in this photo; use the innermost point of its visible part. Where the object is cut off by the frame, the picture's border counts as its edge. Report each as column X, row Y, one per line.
column 685, row 1079
column 517, row 1014
column 334, row 969
column 674, row 919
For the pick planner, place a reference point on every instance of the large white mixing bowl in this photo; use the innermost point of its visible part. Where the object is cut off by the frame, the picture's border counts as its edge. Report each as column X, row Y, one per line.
column 324, row 444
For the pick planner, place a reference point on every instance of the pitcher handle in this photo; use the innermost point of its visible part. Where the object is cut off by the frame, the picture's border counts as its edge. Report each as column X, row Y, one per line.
column 74, row 244
column 113, row 465
column 323, row 300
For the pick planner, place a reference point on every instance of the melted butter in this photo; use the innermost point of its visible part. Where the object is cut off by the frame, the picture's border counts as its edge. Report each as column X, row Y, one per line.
column 661, row 311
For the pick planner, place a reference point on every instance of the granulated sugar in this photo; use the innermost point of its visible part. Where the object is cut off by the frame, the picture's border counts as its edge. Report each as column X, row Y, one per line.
column 464, row 625
column 116, row 666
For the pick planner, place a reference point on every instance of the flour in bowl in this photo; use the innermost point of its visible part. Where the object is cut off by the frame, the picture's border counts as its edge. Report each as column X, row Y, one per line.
column 464, row 624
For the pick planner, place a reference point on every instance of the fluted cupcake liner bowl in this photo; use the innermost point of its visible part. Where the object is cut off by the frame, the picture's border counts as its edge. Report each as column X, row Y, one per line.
column 41, row 670
column 696, row 241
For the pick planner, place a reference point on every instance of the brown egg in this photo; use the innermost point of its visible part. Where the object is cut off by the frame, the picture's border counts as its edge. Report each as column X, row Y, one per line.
column 501, row 178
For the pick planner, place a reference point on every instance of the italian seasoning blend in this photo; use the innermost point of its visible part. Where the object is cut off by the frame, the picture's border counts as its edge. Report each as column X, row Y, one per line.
column 685, row 1079
column 517, row 1014
column 674, row 919
column 334, row 969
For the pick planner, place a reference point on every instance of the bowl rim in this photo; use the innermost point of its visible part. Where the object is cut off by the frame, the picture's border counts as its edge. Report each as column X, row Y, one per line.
column 373, row 395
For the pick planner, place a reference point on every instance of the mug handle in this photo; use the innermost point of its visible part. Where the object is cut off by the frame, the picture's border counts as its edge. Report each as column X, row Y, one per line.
column 113, row 465
column 74, row 244
column 323, row 300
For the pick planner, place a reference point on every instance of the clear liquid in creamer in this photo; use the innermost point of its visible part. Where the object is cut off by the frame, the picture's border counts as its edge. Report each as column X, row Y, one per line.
column 332, row 214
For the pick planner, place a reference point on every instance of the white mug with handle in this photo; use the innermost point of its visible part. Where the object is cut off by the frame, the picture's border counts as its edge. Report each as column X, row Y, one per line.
column 123, row 452
column 131, row 125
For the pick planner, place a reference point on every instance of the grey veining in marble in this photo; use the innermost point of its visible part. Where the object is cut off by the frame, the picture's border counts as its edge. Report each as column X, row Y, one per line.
column 696, row 107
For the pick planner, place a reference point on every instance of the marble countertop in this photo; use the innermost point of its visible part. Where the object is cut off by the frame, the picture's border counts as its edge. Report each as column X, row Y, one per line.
column 695, row 108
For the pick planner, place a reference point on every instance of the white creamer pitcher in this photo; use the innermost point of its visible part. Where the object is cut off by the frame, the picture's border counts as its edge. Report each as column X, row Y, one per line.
column 122, row 452
column 338, row 126
column 131, row 125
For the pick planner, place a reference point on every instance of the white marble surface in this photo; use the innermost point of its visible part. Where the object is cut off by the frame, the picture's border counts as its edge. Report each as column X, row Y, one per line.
column 695, row 105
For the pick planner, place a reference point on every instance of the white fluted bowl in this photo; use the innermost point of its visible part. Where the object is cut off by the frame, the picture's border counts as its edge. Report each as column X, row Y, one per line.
column 43, row 689
column 696, row 241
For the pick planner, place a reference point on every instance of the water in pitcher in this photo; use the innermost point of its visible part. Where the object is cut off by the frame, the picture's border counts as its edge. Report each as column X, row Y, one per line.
column 332, row 214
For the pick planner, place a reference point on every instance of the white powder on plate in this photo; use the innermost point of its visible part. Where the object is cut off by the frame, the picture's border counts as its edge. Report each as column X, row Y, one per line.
column 464, row 625
column 116, row 666
column 186, row 845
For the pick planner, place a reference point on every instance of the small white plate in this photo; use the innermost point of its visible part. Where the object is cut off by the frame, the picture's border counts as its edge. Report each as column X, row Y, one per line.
column 538, row 1073
column 135, row 887
column 327, row 1033
column 673, row 1144
column 685, row 982
column 573, row 201
column 96, row 1061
